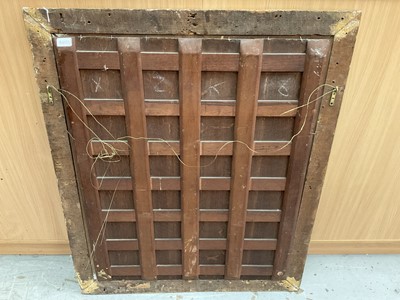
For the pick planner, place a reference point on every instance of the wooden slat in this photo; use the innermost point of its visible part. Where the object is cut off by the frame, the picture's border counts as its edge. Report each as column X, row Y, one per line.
column 263, row 215
column 123, row 215
column 257, row 270
column 214, row 215
column 212, row 244
column 166, row 183
column 208, row 148
column 190, row 63
column 98, row 60
column 162, row 108
column 204, row 244
column 215, row 183
column 228, row 62
column 126, row 270
column 160, row 61
column 211, row 148
column 106, row 107
column 276, row 108
column 132, row 88
column 249, row 244
column 246, row 270
column 271, row 62
column 267, row 184
column 134, row 270
column 122, row 244
column 245, row 120
column 132, row 244
column 71, row 81
column 259, row 244
column 168, row 244
column 266, row 108
column 212, row 269
column 251, row 216
column 206, row 183
column 283, row 62
column 314, row 76
column 166, row 215
column 164, row 148
column 169, row 270
column 96, row 147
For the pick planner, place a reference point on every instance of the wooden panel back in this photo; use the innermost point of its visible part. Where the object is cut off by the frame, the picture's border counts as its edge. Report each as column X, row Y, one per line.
column 190, row 142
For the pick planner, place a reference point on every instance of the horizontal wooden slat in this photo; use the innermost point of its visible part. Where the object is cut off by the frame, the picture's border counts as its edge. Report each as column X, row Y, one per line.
column 212, row 269
column 167, row 216
column 256, row 270
column 211, row 148
column 122, row 244
column 265, row 108
column 229, row 62
column 160, row 61
column 125, row 270
column 166, row 183
column 132, row 244
column 267, row 184
column 134, row 270
column 176, row 244
column 125, row 215
column 249, row 244
column 254, row 215
column 246, row 270
column 129, row 215
column 169, row 270
column 207, row 148
column 259, row 244
column 215, row 183
column 214, row 215
column 104, row 60
column 212, row 244
column 206, row 183
column 283, row 62
column 168, row 244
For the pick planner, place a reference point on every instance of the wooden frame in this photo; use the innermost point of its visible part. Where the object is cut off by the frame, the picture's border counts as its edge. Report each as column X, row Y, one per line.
column 42, row 24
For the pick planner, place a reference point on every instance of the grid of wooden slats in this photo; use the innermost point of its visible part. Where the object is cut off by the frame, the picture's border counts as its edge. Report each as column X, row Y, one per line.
column 226, row 109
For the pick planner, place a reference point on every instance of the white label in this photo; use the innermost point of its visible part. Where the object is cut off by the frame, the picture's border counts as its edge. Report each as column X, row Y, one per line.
column 64, row 42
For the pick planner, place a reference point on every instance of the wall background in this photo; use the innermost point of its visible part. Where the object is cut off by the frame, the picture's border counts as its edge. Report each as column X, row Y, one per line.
column 360, row 206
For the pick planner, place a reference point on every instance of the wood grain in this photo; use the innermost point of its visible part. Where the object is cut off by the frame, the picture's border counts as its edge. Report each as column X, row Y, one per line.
column 132, row 87
column 115, row 107
column 314, row 75
column 245, row 122
column 213, row 148
column 70, row 81
column 206, row 183
column 361, row 187
column 190, row 62
column 211, row 62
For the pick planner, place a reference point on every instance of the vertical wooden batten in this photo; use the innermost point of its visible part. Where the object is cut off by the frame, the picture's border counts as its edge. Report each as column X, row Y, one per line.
column 189, row 96
column 135, row 118
column 312, row 87
column 65, row 49
column 245, row 120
